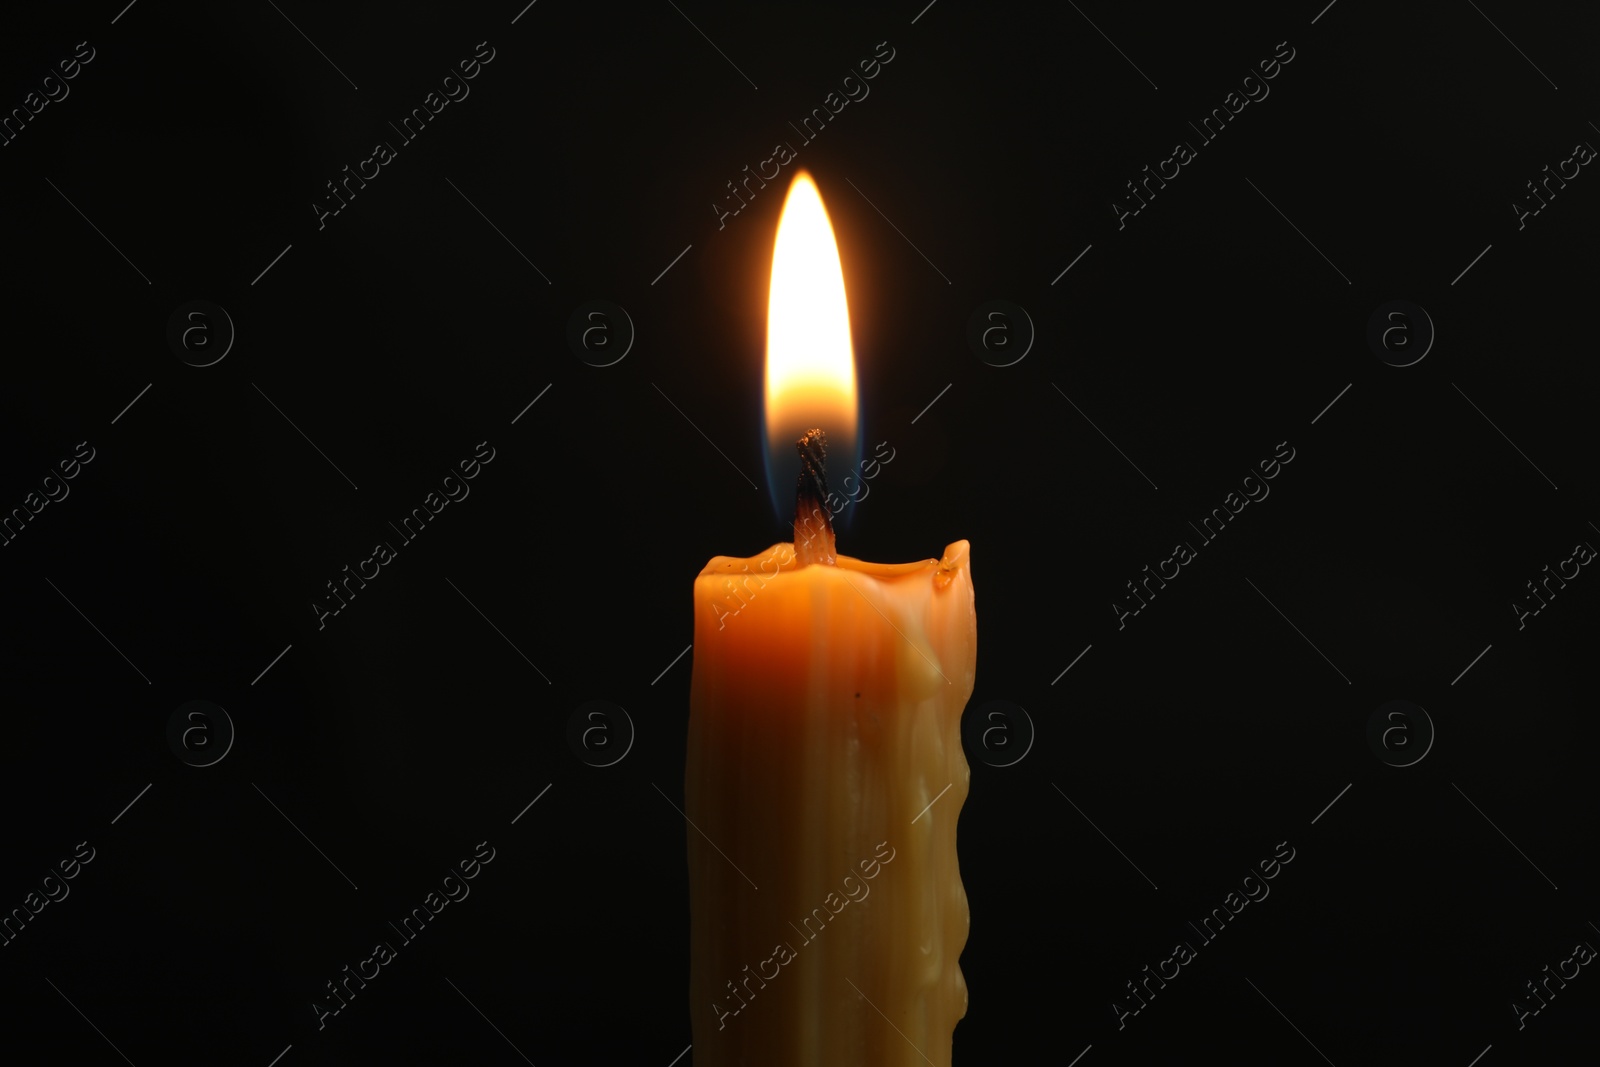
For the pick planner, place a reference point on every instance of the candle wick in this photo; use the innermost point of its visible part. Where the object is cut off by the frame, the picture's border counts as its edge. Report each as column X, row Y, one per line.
column 813, row 519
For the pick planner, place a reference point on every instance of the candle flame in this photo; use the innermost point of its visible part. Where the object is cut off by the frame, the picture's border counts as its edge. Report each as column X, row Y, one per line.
column 810, row 374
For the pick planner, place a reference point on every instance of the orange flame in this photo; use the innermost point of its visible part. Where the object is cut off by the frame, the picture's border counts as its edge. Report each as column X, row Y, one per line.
column 811, row 372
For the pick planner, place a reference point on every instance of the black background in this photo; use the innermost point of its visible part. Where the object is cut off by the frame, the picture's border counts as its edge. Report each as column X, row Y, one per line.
column 1218, row 722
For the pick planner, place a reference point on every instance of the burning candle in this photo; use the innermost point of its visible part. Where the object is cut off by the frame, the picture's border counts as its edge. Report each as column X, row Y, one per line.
column 825, row 771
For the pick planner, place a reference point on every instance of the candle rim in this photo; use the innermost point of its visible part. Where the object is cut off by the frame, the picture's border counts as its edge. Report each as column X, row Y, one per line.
column 956, row 556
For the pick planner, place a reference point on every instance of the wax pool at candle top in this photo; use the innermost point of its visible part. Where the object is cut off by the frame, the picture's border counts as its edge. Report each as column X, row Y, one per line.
column 824, row 722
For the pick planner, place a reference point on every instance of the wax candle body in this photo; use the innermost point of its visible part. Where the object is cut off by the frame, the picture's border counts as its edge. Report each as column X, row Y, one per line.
column 826, row 906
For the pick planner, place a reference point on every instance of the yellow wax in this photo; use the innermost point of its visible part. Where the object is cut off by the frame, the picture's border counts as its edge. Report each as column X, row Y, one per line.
column 826, row 907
